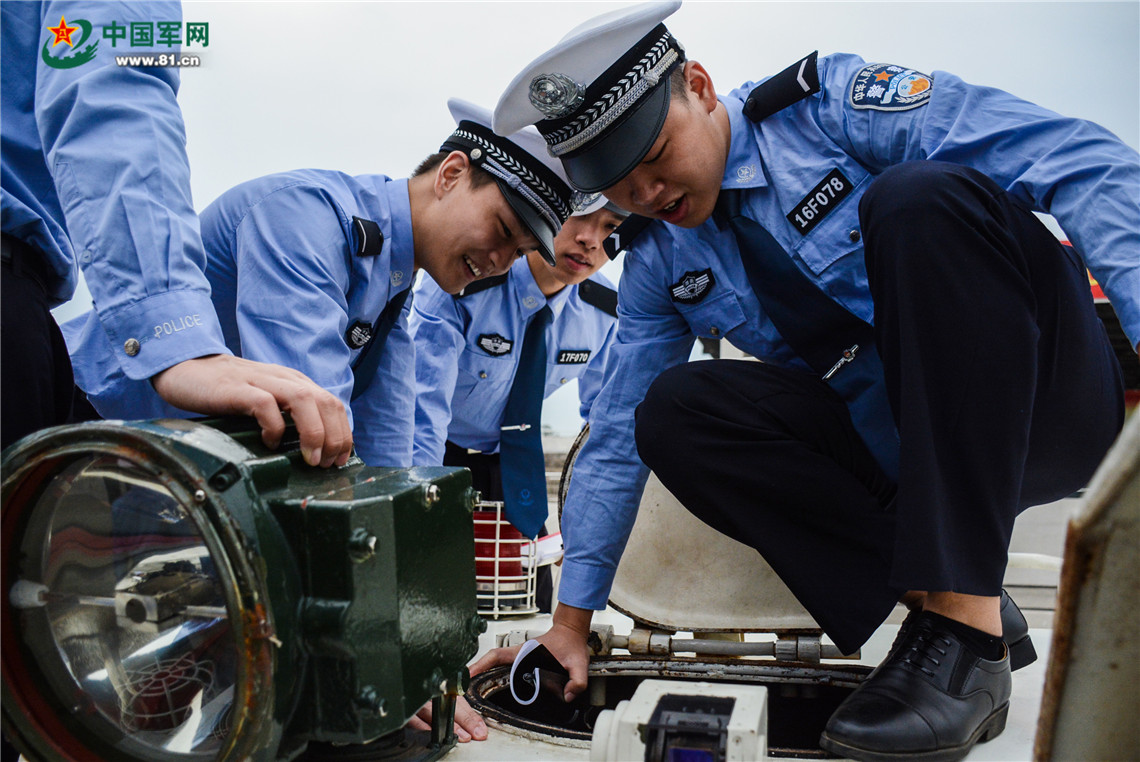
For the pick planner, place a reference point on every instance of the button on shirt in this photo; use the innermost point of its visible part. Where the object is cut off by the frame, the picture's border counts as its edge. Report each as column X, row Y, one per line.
column 1074, row 169
column 468, row 351
column 288, row 282
column 94, row 169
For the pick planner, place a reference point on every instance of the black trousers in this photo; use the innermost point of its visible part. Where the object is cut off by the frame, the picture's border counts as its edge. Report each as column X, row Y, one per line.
column 36, row 382
column 1001, row 381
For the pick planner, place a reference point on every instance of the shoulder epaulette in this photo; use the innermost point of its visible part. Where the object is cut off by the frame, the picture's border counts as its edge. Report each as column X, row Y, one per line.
column 598, row 295
column 621, row 239
column 792, row 85
column 483, row 285
column 369, row 237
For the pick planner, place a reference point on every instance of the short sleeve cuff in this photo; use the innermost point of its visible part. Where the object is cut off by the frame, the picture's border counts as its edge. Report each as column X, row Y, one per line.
column 153, row 334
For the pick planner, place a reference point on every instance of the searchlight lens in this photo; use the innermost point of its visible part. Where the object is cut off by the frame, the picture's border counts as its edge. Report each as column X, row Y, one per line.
column 122, row 610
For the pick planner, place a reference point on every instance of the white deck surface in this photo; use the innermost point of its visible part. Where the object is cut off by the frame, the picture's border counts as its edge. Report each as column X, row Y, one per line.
column 1015, row 743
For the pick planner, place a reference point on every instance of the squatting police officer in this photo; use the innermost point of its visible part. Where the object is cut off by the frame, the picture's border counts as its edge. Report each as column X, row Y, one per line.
column 932, row 361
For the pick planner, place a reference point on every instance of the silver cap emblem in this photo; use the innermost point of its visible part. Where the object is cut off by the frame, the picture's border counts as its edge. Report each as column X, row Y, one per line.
column 556, row 95
column 580, row 200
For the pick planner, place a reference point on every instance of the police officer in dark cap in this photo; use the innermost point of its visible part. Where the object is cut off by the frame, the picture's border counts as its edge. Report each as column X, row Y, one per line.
column 932, row 362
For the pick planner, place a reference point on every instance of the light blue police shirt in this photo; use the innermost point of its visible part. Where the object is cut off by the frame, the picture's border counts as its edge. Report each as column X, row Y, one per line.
column 467, row 352
column 1073, row 169
column 292, row 277
column 93, row 170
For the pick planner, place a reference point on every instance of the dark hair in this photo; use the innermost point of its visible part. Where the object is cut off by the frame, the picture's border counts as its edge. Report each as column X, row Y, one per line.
column 479, row 176
column 678, row 85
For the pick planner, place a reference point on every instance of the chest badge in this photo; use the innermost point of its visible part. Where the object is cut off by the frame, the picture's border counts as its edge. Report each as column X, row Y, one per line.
column 358, row 334
column 819, row 201
column 494, row 344
column 693, row 286
column 573, row 356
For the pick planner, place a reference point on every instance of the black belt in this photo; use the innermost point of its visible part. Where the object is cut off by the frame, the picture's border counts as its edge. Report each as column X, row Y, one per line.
column 27, row 260
column 458, row 453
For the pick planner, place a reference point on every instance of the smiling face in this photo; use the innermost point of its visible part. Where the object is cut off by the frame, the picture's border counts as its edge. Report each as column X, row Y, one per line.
column 679, row 179
column 467, row 232
column 578, row 247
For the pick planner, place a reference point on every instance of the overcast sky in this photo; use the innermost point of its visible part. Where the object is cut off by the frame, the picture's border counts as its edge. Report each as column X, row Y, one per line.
column 362, row 86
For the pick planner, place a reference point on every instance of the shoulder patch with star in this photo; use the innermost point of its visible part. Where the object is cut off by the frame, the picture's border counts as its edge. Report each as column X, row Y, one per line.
column 886, row 87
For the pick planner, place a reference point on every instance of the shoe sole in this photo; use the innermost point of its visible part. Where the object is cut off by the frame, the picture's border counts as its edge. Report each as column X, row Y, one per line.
column 990, row 728
column 1021, row 654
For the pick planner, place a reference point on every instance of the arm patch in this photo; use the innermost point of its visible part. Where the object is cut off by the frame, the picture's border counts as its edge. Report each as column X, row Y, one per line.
column 885, row 87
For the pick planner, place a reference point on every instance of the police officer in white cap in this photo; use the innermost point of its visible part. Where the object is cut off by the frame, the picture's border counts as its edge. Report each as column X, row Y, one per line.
column 486, row 358
column 865, row 229
column 311, row 269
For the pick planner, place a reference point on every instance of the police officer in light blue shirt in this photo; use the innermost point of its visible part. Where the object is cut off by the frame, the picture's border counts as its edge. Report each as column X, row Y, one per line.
column 472, row 351
column 472, row 336
column 469, row 344
column 95, row 176
column 311, row 269
column 931, row 353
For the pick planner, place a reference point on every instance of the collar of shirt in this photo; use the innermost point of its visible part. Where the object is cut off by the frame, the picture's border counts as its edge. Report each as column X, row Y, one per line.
column 529, row 295
column 744, row 167
column 401, row 255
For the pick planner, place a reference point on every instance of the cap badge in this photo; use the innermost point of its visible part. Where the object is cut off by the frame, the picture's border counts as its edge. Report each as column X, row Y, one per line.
column 580, row 200
column 556, row 95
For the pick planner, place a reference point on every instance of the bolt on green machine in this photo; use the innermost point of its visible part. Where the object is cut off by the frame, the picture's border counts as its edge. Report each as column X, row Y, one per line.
column 174, row 591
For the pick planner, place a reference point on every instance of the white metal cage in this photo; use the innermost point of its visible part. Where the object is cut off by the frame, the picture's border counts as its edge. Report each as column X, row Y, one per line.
column 506, row 565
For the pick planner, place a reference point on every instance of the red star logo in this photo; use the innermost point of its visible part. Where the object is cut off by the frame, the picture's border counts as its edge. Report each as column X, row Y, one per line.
column 881, row 76
column 62, row 32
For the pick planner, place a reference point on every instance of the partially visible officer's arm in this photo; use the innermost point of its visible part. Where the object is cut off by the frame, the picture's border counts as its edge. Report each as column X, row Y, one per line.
column 383, row 414
column 590, row 382
column 114, row 142
column 1076, row 170
column 437, row 325
column 608, row 478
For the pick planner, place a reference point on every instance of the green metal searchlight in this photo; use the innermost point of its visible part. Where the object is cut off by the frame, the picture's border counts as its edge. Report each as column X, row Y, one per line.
column 174, row 591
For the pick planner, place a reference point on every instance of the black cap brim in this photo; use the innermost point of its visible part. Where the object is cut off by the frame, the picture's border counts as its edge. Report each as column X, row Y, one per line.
column 607, row 159
column 535, row 222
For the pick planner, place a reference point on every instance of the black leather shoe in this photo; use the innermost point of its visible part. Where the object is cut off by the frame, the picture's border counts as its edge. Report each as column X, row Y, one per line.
column 1014, row 631
column 932, row 699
